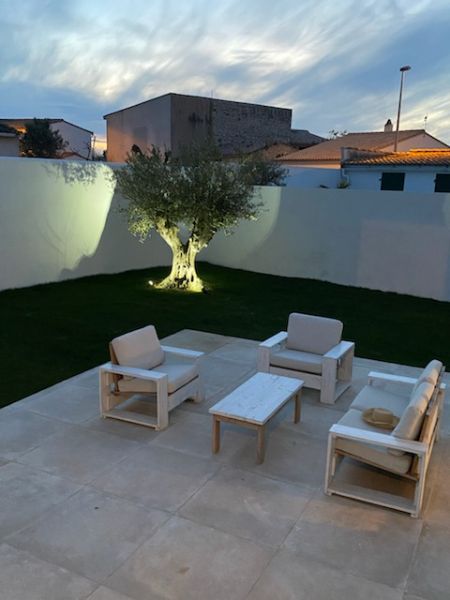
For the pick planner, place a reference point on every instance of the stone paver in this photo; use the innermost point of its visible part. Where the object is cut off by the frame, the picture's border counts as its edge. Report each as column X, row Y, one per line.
column 248, row 505
column 25, row 577
column 91, row 534
column 189, row 561
column 107, row 510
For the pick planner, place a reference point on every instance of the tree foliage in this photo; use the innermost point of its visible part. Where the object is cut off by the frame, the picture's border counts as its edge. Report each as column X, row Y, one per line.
column 264, row 172
column 197, row 193
column 40, row 141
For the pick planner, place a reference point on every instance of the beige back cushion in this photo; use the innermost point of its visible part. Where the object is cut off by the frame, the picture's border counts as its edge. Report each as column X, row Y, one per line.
column 308, row 333
column 408, row 427
column 140, row 348
column 430, row 374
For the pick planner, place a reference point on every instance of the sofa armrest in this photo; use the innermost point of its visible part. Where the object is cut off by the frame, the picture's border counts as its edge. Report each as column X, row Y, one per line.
column 390, row 378
column 378, row 439
column 182, row 352
column 274, row 340
column 340, row 350
column 132, row 372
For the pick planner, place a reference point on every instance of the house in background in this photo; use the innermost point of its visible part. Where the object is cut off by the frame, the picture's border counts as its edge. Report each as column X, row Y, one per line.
column 79, row 139
column 173, row 121
column 412, row 171
column 328, row 154
column 9, row 141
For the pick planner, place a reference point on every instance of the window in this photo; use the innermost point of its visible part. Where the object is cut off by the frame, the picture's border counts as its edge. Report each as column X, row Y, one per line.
column 442, row 182
column 392, row 181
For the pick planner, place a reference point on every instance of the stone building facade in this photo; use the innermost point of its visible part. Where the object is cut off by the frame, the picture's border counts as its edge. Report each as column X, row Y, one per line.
column 175, row 120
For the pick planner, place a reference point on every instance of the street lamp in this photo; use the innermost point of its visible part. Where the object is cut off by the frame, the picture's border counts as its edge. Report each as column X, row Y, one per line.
column 402, row 71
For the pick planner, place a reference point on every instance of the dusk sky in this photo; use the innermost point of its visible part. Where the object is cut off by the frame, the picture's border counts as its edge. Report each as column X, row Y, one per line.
column 335, row 63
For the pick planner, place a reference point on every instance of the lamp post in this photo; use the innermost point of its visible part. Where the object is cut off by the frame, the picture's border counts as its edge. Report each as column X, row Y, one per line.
column 402, row 71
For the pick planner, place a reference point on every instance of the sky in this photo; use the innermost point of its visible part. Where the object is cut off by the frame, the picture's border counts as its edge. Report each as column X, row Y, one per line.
column 334, row 62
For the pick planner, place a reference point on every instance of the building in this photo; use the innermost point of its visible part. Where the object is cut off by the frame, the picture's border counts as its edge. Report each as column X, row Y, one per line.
column 9, row 141
column 174, row 121
column 78, row 139
column 411, row 171
column 328, row 154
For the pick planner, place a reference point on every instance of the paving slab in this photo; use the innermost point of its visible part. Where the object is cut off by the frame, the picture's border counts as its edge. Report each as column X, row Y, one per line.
column 104, row 593
column 91, row 534
column 289, row 578
column 21, row 431
column 157, row 477
column 27, row 493
column 357, row 538
column 78, row 453
column 190, row 561
column 25, row 577
column 248, row 505
column 430, row 574
column 70, row 403
column 202, row 341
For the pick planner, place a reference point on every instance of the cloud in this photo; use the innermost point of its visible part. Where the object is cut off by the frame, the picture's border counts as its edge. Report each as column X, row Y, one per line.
column 336, row 64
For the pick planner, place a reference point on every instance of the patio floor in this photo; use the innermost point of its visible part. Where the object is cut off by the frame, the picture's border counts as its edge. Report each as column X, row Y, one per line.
column 107, row 510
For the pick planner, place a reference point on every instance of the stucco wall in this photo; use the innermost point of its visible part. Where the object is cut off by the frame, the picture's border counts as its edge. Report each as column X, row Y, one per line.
column 146, row 124
column 312, row 178
column 421, row 180
column 58, row 220
column 78, row 140
column 9, row 146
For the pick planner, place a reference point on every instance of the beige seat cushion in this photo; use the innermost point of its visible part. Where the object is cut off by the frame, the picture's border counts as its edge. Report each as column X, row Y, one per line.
column 374, row 397
column 411, row 420
column 309, row 333
column 140, row 348
column 375, row 455
column 180, row 372
column 297, row 361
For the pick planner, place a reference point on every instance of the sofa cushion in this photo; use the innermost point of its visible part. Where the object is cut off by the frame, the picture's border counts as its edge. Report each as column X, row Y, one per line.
column 411, row 420
column 179, row 371
column 373, row 454
column 430, row 374
column 297, row 361
column 375, row 397
column 140, row 348
column 309, row 333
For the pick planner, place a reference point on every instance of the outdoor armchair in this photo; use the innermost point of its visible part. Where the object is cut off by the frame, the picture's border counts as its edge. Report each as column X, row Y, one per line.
column 140, row 365
column 312, row 350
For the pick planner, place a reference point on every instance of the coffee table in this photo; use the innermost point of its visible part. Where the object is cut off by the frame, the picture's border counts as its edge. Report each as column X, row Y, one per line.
column 253, row 404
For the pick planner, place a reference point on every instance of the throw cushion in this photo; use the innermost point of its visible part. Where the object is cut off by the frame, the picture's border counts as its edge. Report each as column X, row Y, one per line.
column 309, row 333
column 411, row 420
column 140, row 348
column 430, row 374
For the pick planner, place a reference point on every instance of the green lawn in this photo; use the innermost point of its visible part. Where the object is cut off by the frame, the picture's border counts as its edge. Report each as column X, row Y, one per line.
column 53, row 331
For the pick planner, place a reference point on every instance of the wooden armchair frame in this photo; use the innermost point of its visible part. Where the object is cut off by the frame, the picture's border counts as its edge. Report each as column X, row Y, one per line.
column 337, row 366
column 111, row 397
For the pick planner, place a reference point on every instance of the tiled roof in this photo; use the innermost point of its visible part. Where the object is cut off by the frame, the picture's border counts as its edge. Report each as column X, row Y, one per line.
column 424, row 158
column 331, row 149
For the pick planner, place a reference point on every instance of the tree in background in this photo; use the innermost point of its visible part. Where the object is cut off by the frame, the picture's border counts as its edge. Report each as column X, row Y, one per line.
column 39, row 141
column 187, row 200
column 263, row 172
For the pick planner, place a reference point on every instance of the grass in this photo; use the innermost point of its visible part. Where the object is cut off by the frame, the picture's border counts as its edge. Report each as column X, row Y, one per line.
column 51, row 332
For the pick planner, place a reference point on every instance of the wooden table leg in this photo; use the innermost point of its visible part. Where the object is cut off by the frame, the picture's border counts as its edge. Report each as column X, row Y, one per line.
column 298, row 406
column 261, row 444
column 215, row 435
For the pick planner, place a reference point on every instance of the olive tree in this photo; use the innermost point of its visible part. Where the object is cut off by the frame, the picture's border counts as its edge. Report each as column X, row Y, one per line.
column 186, row 200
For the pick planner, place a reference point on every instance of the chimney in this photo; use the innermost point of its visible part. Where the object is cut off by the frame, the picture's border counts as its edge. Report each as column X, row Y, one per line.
column 388, row 126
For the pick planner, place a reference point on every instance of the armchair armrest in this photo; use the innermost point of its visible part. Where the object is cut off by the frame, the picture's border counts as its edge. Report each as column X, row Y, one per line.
column 182, row 352
column 389, row 378
column 340, row 350
column 132, row 372
column 274, row 340
column 378, row 439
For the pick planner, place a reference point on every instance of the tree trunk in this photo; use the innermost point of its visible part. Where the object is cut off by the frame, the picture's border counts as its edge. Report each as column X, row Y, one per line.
column 183, row 274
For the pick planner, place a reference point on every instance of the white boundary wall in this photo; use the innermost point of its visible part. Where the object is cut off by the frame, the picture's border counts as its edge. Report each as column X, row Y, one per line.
column 58, row 221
